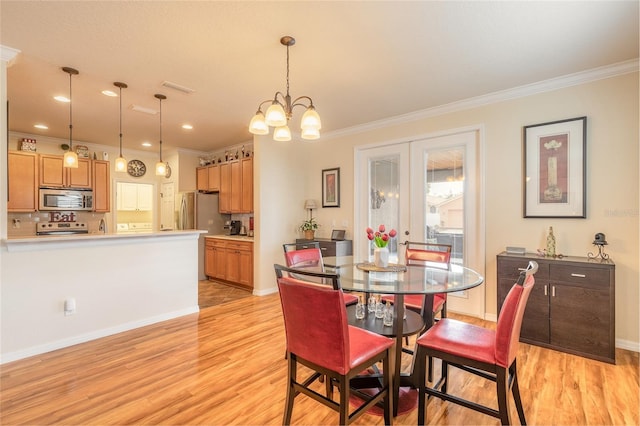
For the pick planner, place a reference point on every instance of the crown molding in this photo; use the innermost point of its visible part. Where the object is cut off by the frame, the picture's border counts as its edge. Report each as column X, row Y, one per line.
column 543, row 86
column 8, row 54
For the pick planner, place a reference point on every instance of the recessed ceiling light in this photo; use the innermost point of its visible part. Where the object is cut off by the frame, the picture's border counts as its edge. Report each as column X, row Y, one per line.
column 61, row 99
column 109, row 93
column 187, row 126
column 41, row 126
column 146, row 143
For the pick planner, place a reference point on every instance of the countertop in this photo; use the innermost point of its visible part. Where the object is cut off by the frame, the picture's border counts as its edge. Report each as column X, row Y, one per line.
column 96, row 237
column 231, row 237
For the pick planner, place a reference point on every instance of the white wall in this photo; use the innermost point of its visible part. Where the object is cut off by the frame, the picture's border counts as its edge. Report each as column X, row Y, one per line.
column 611, row 107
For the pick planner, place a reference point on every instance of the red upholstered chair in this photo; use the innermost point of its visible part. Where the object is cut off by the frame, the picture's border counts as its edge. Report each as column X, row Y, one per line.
column 487, row 353
column 311, row 259
column 320, row 338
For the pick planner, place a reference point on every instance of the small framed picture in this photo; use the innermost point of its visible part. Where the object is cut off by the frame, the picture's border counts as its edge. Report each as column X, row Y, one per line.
column 337, row 234
column 555, row 169
column 331, row 187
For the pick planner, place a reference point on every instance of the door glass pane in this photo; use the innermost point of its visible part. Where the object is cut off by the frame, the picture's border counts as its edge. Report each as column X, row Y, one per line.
column 444, row 209
column 384, row 199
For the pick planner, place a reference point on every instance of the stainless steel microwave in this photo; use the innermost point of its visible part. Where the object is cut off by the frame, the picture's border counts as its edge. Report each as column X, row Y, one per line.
column 65, row 199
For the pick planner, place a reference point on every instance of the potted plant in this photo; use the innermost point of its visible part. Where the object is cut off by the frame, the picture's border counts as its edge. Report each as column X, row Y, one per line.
column 309, row 228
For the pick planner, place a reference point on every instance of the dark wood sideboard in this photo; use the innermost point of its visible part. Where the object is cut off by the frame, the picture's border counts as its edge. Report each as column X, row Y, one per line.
column 330, row 247
column 571, row 307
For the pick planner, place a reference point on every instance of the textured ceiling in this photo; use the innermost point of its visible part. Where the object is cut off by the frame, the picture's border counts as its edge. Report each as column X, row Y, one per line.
column 360, row 61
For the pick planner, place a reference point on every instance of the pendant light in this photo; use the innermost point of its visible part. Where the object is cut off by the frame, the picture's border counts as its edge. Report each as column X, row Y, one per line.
column 161, row 167
column 121, row 163
column 70, row 158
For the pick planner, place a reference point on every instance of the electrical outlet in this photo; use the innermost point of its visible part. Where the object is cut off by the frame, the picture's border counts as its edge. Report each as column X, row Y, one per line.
column 69, row 306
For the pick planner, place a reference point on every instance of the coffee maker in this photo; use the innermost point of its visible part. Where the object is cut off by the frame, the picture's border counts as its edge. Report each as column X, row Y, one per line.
column 232, row 227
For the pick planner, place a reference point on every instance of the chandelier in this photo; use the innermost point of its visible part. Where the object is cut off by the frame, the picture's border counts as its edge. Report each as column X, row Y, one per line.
column 281, row 109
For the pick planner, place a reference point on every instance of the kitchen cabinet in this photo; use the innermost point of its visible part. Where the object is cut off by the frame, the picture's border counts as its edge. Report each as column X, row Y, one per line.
column 54, row 175
column 134, row 197
column 224, row 203
column 208, row 178
column 229, row 260
column 571, row 307
column 246, row 205
column 101, row 186
column 236, row 186
column 330, row 247
column 213, row 178
column 22, row 181
column 202, row 179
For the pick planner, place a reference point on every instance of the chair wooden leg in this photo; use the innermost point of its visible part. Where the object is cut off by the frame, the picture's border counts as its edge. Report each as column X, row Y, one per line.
column 516, row 393
column 445, row 376
column 291, row 393
column 430, row 374
column 502, row 384
column 344, row 400
column 386, row 383
column 419, row 372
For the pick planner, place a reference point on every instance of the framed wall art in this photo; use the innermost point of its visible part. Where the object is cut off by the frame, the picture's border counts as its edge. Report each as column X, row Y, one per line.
column 331, row 187
column 555, row 169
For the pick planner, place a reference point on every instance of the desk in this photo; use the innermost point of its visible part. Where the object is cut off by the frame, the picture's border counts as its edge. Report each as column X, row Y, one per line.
column 415, row 280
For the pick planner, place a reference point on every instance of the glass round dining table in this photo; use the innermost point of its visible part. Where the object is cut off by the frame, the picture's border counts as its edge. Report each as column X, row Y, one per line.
column 400, row 280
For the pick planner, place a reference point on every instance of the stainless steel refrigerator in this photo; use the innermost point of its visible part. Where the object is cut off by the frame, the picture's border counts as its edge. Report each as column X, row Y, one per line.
column 200, row 211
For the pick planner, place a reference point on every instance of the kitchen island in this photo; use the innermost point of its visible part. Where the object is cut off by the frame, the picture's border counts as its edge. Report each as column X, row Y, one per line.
column 117, row 281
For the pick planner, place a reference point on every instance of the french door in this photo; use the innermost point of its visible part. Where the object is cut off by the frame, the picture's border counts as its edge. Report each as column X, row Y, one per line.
column 428, row 190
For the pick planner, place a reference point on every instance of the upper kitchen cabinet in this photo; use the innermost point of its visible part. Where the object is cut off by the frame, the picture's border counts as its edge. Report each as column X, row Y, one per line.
column 236, row 186
column 208, row 178
column 54, row 175
column 134, row 196
column 22, row 181
column 101, row 186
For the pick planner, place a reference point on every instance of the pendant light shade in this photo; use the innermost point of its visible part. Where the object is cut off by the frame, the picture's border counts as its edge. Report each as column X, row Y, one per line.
column 257, row 126
column 70, row 159
column 282, row 134
column 121, row 163
column 161, row 166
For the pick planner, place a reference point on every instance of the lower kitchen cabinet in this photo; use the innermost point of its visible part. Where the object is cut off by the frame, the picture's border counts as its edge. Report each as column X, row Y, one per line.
column 229, row 260
column 571, row 307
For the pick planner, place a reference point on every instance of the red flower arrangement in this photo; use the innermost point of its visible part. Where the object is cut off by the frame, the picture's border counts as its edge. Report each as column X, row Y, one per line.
column 380, row 238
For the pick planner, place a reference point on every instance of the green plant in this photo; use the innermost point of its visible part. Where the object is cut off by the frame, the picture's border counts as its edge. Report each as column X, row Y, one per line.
column 309, row 225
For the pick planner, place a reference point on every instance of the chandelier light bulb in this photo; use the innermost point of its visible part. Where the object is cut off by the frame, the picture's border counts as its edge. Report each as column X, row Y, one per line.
column 258, row 126
column 276, row 116
column 282, row 134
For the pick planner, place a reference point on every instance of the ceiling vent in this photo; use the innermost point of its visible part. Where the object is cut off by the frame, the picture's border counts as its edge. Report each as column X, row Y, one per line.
column 175, row 86
column 145, row 110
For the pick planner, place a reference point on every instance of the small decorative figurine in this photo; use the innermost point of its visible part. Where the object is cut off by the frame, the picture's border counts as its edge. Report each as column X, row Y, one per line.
column 600, row 241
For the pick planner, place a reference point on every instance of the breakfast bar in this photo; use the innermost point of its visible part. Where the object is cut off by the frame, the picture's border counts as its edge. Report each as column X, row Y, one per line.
column 115, row 282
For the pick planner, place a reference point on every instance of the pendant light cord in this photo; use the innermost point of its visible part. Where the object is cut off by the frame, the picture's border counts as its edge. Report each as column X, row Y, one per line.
column 120, row 121
column 161, row 130
column 70, row 116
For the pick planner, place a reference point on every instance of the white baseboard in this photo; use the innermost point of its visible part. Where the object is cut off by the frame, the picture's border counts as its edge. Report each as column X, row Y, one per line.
column 52, row 346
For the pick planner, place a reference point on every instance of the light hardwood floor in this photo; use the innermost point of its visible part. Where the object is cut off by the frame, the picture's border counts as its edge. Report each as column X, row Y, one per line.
column 225, row 365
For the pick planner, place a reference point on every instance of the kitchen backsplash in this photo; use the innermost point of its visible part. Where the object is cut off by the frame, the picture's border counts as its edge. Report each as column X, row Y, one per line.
column 24, row 224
